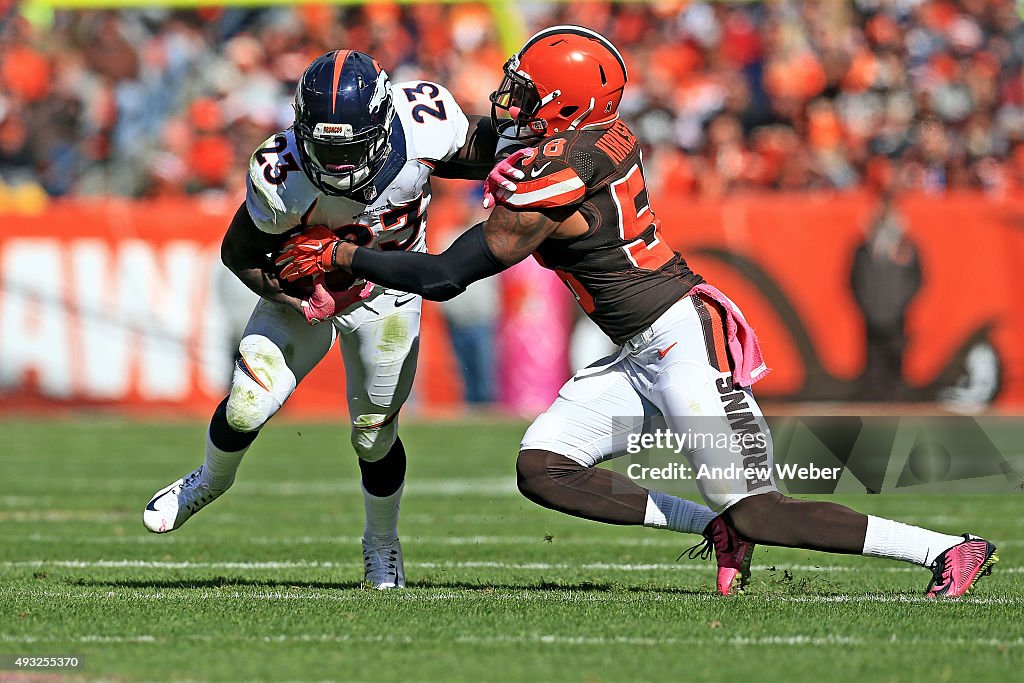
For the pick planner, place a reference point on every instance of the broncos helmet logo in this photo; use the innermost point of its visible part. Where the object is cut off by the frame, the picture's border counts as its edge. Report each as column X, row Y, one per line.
column 381, row 92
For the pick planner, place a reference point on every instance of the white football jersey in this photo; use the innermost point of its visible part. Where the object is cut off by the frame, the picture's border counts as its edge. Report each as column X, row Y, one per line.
column 389, row 212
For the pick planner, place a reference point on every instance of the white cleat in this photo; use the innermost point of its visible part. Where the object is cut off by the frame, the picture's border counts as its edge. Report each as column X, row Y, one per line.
column 172, row 505
column 382, row 558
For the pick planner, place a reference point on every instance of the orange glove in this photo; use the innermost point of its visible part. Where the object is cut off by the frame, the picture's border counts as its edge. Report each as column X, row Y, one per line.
column 310, row 253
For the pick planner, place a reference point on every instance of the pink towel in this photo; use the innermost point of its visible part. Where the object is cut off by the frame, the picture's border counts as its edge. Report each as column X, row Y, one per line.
column 747, row 364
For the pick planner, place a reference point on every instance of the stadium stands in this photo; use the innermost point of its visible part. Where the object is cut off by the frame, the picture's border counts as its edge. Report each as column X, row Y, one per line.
column 726, row 96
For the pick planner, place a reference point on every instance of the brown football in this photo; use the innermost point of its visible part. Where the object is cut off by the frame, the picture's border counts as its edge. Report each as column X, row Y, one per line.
column 300, row 289
column 339, row 281
column 336, row 281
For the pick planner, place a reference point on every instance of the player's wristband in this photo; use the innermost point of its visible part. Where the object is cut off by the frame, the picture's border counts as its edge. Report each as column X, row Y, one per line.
column 333, row 263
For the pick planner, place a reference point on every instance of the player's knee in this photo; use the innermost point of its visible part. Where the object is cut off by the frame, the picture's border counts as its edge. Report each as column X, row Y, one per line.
column 529, row 471
column 373, row 436
column 540, row 474
column 249, row 406
column 262, row 382
column 750, row 514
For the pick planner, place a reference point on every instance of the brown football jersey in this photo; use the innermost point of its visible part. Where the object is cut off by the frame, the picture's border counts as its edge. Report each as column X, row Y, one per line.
column 621, row 271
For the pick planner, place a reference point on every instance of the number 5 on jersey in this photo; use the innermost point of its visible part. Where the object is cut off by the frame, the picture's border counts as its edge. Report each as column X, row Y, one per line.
column 637, row 224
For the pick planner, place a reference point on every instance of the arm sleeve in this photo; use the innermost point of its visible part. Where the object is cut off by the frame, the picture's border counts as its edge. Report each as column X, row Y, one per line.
column 437, row 277
column 474, row 159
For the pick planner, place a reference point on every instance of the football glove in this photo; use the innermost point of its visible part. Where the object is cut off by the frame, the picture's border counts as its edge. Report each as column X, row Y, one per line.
column 501, row 176
column 324, row 303
column 310, row 253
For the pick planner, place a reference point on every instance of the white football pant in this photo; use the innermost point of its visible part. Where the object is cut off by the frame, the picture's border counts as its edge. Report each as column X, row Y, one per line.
column 379, row 340
column 674, row 374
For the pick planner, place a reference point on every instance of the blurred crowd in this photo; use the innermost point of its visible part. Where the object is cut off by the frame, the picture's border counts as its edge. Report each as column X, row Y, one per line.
column 725, row 96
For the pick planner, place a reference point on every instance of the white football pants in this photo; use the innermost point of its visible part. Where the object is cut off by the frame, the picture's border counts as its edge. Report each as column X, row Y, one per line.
column 676, row 375
column 379, row 340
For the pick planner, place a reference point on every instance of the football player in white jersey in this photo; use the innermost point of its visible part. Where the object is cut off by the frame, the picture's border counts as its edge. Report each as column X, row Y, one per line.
column 357, row 162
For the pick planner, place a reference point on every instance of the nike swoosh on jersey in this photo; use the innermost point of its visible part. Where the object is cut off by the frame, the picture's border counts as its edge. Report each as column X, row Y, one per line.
column 534, row 172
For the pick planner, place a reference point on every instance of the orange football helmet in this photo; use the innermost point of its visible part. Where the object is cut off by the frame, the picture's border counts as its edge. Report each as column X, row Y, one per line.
column 564, row 78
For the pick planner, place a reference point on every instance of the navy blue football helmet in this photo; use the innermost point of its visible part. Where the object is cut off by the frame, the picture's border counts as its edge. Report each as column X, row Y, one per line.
column 343, row 112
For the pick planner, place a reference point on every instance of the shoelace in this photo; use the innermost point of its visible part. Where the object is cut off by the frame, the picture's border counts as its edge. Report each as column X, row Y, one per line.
column 189, row 483
column 704, row 549
column 941, row 572
column 372, row 559
column 701, row 551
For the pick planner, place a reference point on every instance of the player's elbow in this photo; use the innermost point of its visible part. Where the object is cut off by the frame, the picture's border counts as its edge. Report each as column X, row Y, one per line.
column 226, row 256
column 442, row 291
column 231, row 255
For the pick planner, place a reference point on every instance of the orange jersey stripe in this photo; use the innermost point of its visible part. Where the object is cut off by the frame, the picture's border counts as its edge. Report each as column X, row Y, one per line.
column 545, row 181
column 557, row 189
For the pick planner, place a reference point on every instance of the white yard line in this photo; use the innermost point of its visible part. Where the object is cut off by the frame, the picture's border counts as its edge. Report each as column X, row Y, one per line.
column 541, row 566
column 525, row 594
column 325, row 595
column 13, row 501
column 658, row 541
column 489, row 486
column 61, row 516
column 533, row 639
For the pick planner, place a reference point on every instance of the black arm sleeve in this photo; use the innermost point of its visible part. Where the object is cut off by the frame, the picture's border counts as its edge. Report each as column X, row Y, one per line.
column 476, row 158
column 437, row 277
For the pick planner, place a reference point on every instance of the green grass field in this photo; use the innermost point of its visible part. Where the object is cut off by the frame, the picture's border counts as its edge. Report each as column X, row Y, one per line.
column 265, row 583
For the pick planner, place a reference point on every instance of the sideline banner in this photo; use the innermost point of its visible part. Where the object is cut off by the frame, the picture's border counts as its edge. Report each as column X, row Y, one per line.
column 121, row 304
column 125, row 305
column 786, row 260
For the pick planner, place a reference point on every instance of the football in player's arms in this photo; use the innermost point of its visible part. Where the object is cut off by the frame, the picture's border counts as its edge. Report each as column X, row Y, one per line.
column 336, row 281
column 356, row 164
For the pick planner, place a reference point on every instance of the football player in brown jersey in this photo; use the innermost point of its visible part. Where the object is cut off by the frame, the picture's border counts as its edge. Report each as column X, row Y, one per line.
column 687, row 355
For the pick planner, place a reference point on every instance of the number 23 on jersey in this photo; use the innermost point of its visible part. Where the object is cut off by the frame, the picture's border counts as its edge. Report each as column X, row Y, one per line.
column 275, row 174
